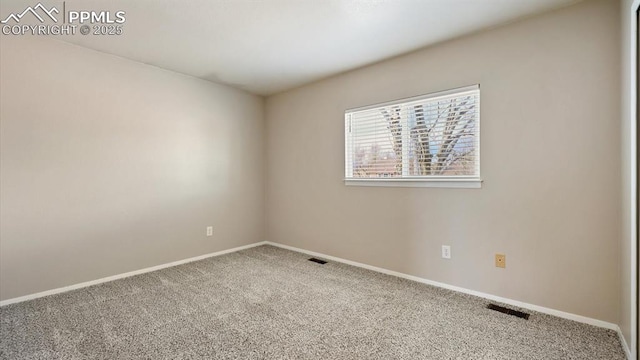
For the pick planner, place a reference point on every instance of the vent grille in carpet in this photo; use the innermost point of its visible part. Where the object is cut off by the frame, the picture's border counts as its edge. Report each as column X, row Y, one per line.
column 318, row 261
column 504, row 310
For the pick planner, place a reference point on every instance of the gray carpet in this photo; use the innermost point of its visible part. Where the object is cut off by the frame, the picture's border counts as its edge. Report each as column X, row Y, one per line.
column 270, row 303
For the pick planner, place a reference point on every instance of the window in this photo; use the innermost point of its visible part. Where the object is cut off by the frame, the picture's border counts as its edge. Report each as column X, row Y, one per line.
column 430, row 140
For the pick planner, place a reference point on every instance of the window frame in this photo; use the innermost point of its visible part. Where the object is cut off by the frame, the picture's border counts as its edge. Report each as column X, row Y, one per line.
column 460, row 181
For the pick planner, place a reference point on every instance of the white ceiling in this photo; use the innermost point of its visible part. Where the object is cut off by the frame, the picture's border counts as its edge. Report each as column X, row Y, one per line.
column 267, row 46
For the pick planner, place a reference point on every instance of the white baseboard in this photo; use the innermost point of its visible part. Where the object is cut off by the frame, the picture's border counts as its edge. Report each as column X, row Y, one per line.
column 125, row 275
column 623, row 341
column 520, row 304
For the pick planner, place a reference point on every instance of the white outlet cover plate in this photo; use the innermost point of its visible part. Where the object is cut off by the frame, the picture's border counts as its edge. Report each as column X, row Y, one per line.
column 446, row 252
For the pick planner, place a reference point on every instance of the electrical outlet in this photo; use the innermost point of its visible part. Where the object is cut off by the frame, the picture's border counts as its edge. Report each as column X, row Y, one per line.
column 446, row 252
column 209, row 230
column 501, row 260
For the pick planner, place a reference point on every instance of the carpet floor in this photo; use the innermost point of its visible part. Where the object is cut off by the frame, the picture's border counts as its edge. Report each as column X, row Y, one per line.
column 270, row 303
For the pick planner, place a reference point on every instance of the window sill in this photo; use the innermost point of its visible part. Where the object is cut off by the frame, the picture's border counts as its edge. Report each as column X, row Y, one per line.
column 474, row 183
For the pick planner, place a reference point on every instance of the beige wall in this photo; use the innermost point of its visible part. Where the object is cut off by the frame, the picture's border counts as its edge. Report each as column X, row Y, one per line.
column 550, row 163
column 109, row 166
column 625, row 261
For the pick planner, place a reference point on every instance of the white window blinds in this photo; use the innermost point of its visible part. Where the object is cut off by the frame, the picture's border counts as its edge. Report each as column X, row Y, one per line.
column 434, row 136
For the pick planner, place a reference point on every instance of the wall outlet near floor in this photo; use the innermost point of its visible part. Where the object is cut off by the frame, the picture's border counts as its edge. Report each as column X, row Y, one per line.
column 209, row 230
column 501, row 260
column 446, row 252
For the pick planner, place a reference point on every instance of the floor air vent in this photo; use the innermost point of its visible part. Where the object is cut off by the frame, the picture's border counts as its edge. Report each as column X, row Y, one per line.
column 322, row 262
column 504, row 310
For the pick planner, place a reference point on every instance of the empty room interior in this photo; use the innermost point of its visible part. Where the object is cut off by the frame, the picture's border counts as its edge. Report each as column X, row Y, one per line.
column 336, row 179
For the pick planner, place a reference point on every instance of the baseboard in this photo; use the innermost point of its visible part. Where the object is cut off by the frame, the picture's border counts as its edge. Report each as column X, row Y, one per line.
column 520, row 304
column 124, row 275
column 623, row 341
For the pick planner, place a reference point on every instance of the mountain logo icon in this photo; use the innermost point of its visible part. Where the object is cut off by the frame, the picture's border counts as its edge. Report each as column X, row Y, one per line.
column 34, row 11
